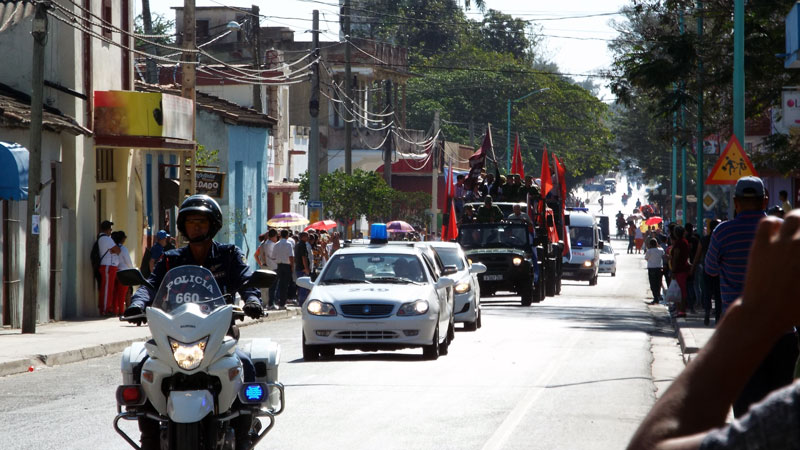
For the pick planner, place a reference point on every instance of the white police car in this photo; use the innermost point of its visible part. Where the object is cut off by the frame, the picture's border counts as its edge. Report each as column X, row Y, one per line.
column 608, row 260
column 378, row 297
column 467, row 290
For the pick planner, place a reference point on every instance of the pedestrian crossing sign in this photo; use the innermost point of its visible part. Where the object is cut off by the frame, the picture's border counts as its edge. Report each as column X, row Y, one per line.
column 732, row 164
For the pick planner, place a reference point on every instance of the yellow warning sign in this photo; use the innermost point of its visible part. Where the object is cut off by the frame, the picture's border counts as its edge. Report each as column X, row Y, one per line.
column 732, row 164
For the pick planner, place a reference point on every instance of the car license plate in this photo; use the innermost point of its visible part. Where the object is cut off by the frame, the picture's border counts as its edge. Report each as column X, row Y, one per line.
column 493, row 277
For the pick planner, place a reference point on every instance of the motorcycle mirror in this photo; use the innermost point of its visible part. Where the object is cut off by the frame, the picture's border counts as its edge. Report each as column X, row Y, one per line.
column 132, row 277
column 262, row 279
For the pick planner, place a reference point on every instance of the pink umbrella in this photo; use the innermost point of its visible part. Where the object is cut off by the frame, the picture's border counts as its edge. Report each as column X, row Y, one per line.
column 399, row 226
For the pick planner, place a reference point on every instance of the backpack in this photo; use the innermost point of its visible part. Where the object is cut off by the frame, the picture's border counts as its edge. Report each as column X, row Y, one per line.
column 95, row 258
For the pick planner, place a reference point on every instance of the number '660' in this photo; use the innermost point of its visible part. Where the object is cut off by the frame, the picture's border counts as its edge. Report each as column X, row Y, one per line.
column 188, row 297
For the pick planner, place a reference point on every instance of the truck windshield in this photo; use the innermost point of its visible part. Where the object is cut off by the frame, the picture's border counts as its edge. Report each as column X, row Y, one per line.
column 581, row 236
column 494, row 235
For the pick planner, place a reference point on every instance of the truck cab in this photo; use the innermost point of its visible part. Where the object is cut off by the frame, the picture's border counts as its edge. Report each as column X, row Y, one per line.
column 585, row 243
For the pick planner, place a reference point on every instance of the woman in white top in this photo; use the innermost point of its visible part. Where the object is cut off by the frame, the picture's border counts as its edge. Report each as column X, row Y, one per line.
column 120, row 297
column 655, row 268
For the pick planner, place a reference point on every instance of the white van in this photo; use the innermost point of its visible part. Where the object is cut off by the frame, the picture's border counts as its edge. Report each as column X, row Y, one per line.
column 585, row 244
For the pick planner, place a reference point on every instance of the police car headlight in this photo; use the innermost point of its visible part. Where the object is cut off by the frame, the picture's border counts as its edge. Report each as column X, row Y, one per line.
column 188, row 356
column 587, row 264
column 415, row 308
column 517, row 261
column 318, row 308
column 462, row 288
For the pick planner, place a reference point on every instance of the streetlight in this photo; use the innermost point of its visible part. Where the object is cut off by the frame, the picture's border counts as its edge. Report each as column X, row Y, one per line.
column 508, row 134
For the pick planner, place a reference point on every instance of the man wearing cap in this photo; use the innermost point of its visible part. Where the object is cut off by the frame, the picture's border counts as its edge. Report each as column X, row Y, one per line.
column 109, row 260
column 158, row 248
column 726, row 258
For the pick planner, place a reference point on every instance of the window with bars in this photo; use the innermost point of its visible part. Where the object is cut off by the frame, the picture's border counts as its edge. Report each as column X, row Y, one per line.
column 105, row 165
column 106, row 13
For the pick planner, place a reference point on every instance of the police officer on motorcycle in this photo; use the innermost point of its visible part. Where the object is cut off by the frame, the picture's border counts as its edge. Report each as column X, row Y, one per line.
column 199, row 220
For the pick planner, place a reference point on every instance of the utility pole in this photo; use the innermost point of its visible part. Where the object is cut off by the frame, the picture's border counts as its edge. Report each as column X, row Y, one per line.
column 188, row 80
column 313, row 109
column 700, row 154
column 32, row 268
column 683, row 143
column 435, row 171
column 387, row 155
column 255, row 41
column 674, row 162
column 151, row 73
column 738, row 71
column 348, row 86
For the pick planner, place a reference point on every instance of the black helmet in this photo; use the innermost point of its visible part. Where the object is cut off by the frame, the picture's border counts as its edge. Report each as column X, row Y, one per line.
column 201, row 204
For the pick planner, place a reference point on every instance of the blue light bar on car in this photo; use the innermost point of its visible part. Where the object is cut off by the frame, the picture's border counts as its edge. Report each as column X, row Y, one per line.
column 378, row 233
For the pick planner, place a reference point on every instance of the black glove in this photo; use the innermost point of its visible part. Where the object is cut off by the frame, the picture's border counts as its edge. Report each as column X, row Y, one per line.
column 134, row 314
column 253, row 309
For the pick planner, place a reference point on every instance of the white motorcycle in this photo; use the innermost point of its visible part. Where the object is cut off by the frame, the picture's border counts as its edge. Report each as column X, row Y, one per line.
column 189, row 377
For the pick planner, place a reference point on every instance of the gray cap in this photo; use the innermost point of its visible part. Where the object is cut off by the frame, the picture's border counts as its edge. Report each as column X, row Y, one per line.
column 749, row 187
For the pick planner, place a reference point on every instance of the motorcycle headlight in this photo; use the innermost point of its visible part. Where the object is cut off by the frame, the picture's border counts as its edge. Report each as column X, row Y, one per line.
column 188, row 356
column 462, row 287
column 415, row 308
column 318, row 308
column 517, row 260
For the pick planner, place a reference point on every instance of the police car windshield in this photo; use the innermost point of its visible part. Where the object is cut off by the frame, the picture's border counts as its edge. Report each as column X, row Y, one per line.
column 373, row 268
column 189, row 284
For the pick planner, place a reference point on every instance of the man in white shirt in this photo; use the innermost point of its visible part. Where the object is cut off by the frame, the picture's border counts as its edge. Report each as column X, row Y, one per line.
column 283, row 254
column 267, row 261
column 109, row 260
column 655, row 267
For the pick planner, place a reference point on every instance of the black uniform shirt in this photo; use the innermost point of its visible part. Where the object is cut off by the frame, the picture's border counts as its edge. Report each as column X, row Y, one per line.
column 225, row 261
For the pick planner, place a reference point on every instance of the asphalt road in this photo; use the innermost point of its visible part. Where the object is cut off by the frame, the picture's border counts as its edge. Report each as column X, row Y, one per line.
column 573, row 372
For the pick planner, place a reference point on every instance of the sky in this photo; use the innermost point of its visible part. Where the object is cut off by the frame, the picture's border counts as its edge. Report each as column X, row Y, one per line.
column 577, row 45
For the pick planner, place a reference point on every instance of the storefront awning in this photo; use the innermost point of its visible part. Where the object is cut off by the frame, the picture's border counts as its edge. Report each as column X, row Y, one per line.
column 13, row 171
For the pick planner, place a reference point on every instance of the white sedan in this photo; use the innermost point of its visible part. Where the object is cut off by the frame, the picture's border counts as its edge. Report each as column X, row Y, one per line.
column 378, row 297
column 467, row 289
column 608, row 261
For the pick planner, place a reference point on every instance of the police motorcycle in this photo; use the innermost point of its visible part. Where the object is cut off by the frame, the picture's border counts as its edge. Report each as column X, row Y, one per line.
column 189, row 378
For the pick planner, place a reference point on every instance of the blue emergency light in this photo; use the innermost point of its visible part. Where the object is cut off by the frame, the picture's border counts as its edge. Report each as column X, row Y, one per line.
column 254, row 392
column 378, row 233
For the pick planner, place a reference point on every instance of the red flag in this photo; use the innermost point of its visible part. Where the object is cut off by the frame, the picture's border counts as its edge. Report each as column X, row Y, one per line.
column 562, row 180
column 547, row 182
column 478, row 160
column 449, row 189
column 450, row 231
column 516, row 163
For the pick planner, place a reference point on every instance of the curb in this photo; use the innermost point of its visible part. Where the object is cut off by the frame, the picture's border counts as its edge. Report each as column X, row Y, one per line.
column 97, row 351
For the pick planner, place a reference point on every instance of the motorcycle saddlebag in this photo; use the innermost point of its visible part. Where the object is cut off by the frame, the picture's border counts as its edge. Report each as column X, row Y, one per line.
column 266, row 356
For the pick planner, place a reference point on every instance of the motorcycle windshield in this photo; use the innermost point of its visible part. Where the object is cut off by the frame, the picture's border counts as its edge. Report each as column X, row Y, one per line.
column 189, row 284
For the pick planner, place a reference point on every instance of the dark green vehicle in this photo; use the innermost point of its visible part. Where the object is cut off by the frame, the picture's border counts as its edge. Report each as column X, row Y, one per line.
column 506, row 249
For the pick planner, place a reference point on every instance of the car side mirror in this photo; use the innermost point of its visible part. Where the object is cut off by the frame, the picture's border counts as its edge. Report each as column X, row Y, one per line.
column 477, row 268
column 262, row 279
column 133, row 277
column 449, row 270
column 443, row 283
column 305, row 282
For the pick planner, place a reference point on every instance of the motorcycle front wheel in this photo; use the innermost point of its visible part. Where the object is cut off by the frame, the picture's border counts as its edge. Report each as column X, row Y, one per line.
column 184, row 436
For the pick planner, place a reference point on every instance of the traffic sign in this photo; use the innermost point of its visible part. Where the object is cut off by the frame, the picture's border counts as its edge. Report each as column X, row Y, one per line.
column 732, row 164
column 315, row 204
column 709, row 201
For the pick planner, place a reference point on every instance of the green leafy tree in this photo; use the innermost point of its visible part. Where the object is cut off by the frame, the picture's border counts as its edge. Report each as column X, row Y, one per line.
column 161, row 26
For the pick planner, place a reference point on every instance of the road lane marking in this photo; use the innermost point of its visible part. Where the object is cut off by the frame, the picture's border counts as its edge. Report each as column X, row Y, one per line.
column 512, row 420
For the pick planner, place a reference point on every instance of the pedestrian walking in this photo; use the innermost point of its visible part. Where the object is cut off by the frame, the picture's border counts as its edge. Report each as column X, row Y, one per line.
column 638, row 239
column 121, row 291
column 727, row 257
column 302, row 265
column 601, row 203
column 680, row 266
column 109, row 262
column 266, row 260
column 631, row 236
column 283, row 252
column 710, row 283
column 159, row 248
column 655, row 266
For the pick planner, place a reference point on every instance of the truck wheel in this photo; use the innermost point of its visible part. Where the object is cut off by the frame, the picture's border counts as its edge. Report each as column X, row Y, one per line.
column 550, row 280
column 526, row 295
column 593, row 281
column 538, row 294
column 431, row 352
column 558, row 286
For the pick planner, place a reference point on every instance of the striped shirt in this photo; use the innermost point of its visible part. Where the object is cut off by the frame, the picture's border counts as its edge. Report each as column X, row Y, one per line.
column 728, row 252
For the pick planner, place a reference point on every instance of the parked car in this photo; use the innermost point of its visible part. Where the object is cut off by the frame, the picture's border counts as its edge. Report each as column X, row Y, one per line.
column 608, row 260
column 584, row 244
column 467, row 289
column 379, row 297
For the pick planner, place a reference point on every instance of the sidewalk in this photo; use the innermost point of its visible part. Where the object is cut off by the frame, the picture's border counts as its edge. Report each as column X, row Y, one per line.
column 692, row 334
column 71, row 341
